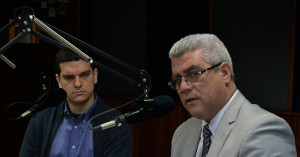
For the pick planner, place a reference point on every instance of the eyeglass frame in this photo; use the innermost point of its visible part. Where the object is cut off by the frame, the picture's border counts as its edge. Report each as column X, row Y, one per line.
column 173, row 85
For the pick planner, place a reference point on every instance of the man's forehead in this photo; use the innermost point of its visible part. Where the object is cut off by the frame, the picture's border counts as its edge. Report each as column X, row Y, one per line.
column 188, row 62
column 75, row 66
column 185, row 70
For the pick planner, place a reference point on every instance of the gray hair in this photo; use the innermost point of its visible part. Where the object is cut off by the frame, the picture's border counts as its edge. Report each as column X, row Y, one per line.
column 214, row 51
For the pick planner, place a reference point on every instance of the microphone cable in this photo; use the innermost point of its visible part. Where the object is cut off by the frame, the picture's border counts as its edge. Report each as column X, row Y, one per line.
column 34, row 102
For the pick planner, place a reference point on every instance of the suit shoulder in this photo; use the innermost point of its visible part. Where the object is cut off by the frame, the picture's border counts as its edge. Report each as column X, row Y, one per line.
column 258, row 113
column 190, row 124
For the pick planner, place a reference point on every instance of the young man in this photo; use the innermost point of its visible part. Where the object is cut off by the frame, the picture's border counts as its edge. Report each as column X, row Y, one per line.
column 224, row 123
column 62, row 130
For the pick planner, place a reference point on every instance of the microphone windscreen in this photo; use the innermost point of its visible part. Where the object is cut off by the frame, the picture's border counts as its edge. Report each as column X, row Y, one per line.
column 163, row 105
column 151, row 108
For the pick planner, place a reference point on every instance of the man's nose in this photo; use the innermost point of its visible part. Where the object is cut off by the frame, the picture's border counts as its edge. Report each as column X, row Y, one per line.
column 77, row 82
column 184, row 85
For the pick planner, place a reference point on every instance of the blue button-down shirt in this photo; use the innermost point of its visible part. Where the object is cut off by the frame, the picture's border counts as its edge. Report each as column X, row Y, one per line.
column 73, row 137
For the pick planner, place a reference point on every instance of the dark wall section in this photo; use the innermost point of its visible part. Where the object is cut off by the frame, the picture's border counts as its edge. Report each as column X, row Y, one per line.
column 257, row 34
column 122, row 29
column 117, row 29
column 167, row 22
column 296, row 84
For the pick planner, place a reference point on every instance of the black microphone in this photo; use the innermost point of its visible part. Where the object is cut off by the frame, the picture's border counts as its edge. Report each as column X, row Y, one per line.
column 52, row 98
column 147, row 108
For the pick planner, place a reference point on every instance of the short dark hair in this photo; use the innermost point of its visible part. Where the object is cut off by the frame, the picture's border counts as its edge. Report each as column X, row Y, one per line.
column 64, row 56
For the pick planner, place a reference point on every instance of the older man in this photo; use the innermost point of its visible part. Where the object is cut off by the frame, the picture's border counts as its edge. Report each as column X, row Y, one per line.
column 224, row 123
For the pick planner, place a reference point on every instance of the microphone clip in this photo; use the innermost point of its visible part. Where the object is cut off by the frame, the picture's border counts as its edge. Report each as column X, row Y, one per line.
column 144, row 104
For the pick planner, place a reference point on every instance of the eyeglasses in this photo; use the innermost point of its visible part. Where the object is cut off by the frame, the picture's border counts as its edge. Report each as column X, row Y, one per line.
column 189, row 77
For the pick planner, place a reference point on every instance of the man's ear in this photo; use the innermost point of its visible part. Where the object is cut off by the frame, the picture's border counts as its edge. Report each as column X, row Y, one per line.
column 58, row 80
column 95, row 75
column 225, row 71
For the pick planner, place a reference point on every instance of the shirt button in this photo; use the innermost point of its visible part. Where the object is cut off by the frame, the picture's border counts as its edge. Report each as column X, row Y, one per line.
column 75, row 126
column 83, row 121
column 73, row 147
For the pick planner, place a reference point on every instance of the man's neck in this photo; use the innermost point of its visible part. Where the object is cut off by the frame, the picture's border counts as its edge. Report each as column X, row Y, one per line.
column 80, row 108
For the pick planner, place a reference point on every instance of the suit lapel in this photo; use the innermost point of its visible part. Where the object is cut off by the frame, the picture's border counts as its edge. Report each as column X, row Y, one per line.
column 226, row 124
column 193, row 139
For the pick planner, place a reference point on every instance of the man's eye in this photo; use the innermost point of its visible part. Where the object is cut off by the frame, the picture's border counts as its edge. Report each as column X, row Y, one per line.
column 195, row 73
column 177, row 80
column 85, row 75
column 191, row 74
column 68, row 78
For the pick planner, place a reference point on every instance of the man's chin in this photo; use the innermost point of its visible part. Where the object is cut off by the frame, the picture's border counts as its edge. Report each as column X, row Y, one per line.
column 79, row 100
column 195, row 113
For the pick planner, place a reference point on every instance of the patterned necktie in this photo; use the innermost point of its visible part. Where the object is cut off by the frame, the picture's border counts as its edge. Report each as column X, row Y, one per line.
column 206, row 140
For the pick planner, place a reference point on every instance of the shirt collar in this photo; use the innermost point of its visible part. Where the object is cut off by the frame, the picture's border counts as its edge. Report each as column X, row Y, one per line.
column 216, row 120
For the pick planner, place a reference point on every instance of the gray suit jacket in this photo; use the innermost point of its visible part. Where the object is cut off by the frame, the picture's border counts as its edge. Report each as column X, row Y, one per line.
column 245, row 130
